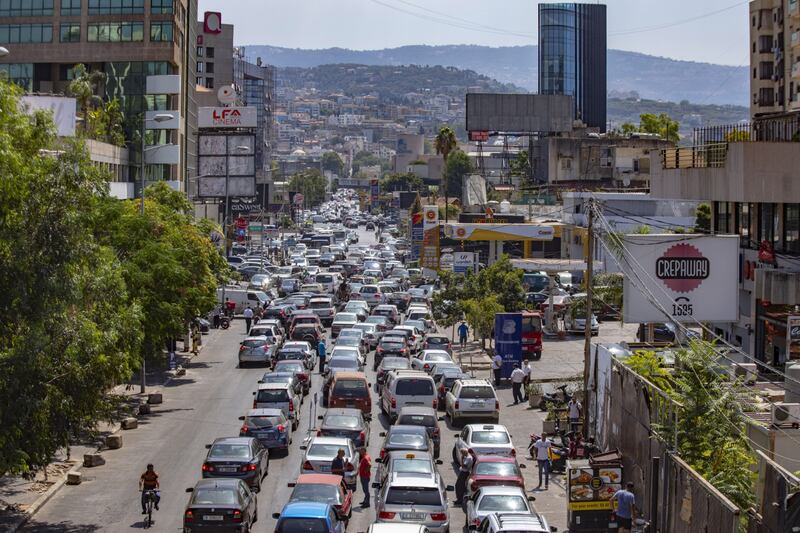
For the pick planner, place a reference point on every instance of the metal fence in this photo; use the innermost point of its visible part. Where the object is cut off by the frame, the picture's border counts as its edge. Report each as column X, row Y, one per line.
column 778, row 499
column 698, row 156
column 782, row 129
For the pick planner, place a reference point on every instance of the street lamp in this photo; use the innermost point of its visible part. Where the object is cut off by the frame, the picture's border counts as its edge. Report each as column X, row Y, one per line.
column 4, row 51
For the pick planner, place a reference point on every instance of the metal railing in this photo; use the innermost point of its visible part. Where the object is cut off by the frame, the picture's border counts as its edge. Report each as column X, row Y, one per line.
column 782, row 129
column 705, row 156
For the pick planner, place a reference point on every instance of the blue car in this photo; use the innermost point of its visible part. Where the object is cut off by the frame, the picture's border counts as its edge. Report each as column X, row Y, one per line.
column 308, row 516
column 269, row 427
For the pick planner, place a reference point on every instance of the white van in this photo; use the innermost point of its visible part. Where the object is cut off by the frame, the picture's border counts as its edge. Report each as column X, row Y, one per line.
column 407, row 387
column 242, row 297
column 329, row 280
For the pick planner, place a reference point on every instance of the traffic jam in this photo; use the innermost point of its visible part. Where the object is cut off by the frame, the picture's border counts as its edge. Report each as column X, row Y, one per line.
column 359, row 394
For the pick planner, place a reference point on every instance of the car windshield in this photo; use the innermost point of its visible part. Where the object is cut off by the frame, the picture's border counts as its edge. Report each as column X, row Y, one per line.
column 504, row 503
column 414, row 496
column 477, row 392
column 342, row 421
column 406, row 439
column 393, row 363
column 414, row 387
column 348, row 341
column 496, row 469
column 214, row 497
column 289, row 367
column 345, row 317
column 417, row 420
column 350, row 334
column 344, row 363
column 489, row 437
column 241, row 451
column 264, row 421
column 437, row 357
column 302, row 525
column 351, row 388
column 326, row 450
column 320, row 304
column 272, row 395
column 415, row 466
column 307, row 492
column 253, row 343
column 276, row 379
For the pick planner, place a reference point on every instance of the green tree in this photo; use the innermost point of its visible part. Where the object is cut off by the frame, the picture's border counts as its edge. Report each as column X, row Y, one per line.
column 737, row 135
column 458, row 167
column 447, row 304
column 661, row 125
column 68, row 329
column 83, row 87
column 480, row 314
column 452, row 212
column 366, row 159
column 500, row 279
column 702, row 223
column 402, row 182
column 521, row 165
column 106, row 123
column 312, row 184
column 445, row 142
column 333, row 162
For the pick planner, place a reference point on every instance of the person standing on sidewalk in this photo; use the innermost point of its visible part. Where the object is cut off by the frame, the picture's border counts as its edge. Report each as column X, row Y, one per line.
column 464, row 468
column 517, row 377
column 526, row 368
column 321, row 354
column 497, row 369
column 248, row 319
column 364, row 468
column 626, row 507
column 574, row 410
column 542, row 447
column 463, row 331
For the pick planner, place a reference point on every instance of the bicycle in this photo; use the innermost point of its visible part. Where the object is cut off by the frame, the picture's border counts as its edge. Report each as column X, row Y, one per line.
column 149, row 503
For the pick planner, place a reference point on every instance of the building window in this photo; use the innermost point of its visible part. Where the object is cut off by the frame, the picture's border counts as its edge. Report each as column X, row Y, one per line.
column 209, row 83
column 70, row 8
column 70, row 33
column 161, row 7
column 25, row 8
column 767, row 222
column 209, row 51
column 116, row 7
column 20, row 74
column 26, row 33
column 743, row 215
column 198, row 81
column 791, row 228
column 723, row 217
column 201, row 67
column 161, row 32
column 200, row 51
column 114, row 32
column 210, row 67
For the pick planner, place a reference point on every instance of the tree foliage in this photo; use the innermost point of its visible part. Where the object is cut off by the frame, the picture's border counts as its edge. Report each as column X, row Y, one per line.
column 702, row 223
column 333, row 162
column 367, row 159
column 83, row 87
column 500, row 279
column 521, row 165
column 480, row 314
column 660, row 124
column 312, row 184
column 458, row 167
column 106, row 123
column 402, row 182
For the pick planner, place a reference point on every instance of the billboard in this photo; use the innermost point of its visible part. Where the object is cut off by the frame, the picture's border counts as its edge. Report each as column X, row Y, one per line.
column 227, row 117
column 519, row 113
column 429, row 253
column 508, row 339
column 62, row 107
column 464, row 262
column 693, row 278
column 416, row 235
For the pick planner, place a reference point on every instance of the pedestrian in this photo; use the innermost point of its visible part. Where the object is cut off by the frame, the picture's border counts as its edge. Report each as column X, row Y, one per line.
column 497, row 368
column 230, row 307
column 321, row 354
column 248, row 318
column 258, row 315
column 517, row 377
column 626, row 508
column 364, row 467
column 464, row 469
column 463, row 331
column 215, row 316
column 542, row 447
column 574, row 410
column 195, row 339
column 337, row 464
column 526, row 368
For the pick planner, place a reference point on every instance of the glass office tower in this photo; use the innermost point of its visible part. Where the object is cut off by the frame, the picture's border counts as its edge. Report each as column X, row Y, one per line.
column 572, row 57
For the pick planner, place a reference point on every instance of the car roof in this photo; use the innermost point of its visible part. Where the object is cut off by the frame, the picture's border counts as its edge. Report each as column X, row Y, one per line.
column 404, row 479
column 350, row 375
column 263, row 386
column 341, row 441
column 495, row 459
column 475, row 383
column 396, row 528
column 502, row 490
column 319, row 479
column 521, row 522
column 217, row 483
column 233, row 440
column 255, row 338
column 417, row 410
column 486, row 427
column 346, row 411
column 265, row 412
column 299, row 509
column 407, row 428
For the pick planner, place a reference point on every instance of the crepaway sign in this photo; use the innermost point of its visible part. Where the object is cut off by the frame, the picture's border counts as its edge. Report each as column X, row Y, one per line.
column 227, row 117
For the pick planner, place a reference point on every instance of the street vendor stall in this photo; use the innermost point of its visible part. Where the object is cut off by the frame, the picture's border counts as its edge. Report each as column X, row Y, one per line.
column 590, row 486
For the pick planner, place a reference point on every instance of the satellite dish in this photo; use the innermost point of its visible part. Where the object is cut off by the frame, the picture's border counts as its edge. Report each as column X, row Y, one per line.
column 226, row 94
column 626, row 181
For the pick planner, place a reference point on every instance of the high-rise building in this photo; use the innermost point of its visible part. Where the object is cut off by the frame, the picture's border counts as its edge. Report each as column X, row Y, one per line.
column 572, row 57
column 128, row 40
column 774, row 57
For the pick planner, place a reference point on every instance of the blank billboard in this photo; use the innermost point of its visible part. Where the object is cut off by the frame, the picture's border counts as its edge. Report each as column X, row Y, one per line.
column 519, row 113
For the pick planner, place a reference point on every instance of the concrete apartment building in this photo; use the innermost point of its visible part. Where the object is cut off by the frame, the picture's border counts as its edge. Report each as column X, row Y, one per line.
column 774, row 56
column 128, row 40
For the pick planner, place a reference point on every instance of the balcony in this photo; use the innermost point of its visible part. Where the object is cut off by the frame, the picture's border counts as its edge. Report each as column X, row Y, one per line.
column 796, row 70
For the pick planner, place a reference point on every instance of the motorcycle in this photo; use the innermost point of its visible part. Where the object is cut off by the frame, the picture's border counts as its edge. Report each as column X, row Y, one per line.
column 555, row 398
column 558, row 455
column 225, row 322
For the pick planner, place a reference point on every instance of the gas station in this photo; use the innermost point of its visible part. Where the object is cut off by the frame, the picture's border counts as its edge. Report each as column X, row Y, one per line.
column 496, row 234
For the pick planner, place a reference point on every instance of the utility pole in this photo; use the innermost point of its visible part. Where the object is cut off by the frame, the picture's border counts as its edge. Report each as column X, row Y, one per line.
column 587, row 346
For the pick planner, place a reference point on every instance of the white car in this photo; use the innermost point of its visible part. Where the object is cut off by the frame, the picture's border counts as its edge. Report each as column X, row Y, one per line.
column 472, row 398
column 484, row 439
column 578, row 324
column 497, row 499
column 427, row 359
column 320, row 451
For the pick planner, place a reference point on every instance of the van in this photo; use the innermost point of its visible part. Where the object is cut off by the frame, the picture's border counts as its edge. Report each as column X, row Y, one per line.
column 329, row 281
column 278, row 396
column 407, row 387
column 242, row 297
column 351, row 389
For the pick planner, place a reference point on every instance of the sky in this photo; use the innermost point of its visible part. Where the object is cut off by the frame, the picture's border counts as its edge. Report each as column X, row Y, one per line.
column 712, row 31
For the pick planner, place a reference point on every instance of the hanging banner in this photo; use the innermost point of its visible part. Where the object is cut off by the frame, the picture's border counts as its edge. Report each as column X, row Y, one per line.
column 429, row 257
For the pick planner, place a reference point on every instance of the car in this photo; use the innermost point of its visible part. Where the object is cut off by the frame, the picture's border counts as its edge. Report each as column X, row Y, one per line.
column 381, row 322
column 414, row 336
column 426, row 417
column 341, row 364
column 308, row 517
column 313, row 288
column 278, row 396
column 409, row 498
column 390, row 346
column 326, row 259
column 474, row 398
column 320, row 451
column 578, row 324
column 359, row 307
column 372, row 295
column 288, row 286
column 345, row 422
column 350, row 389
column 282, row 312
column 514, row 523
column 354, row 338
column 323, row 488
column 484, row 439
column 444, row 377
column 304, row 318
column 269, row 330
column 371, row 334
column 255, row 350
column 389, row 311
column 400, row 299
column 406, row 462
column 388, row 364
column 299, row 351
column 324, row 308
column 406, row 387
column 497, row 499
column 237, row 457
column 495, row 470
column 220, row 505
column 408, row 438
column 310, row 333
column 427, row 359
column 421, row 325
column 270, row 427
column 344, row 350
column 342, row 320
column 299, row 369
column 284, row 377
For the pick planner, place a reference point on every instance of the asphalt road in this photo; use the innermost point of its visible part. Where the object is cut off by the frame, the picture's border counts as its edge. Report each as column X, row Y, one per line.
column 205, row 404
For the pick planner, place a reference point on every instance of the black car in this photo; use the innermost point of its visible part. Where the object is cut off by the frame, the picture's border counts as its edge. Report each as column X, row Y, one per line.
column 416, row 415
column 220, row 505
column 284, row 377
column 401, row 437
column 390, row 346
column 237, row 457
column 345, row 422
column 438, row 342
column 535, row 299
column 282, row 312
column 401, row 299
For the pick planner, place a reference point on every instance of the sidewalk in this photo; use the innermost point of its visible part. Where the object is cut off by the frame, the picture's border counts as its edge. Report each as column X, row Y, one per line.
column 20, row 498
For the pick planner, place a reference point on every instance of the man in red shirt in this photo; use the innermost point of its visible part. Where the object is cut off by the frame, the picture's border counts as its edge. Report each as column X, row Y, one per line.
column 364, row 467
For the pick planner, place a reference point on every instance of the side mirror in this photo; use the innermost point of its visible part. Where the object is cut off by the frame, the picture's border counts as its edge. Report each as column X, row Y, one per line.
column 254, row 393
column 276, row 515
column 260, row 381
column 439, row 462
column 320, row 417
column 553, row 529
column 450, row 488
column 382, row 434
column 304, row 447
column 523, row 465
column 531, row 498
column 241, row 418
column 291, row 485
column 456, row 435
column 190, row 489
column 441, row 419
column 208, row 446
column 472, row 527
column 376, row 485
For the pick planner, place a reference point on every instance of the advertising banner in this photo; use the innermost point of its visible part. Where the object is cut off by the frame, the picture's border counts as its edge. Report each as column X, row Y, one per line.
column 227, row 117
column 508, row 339
column 793, row 337
column 463, row 262
column 429, row 257
column 692, row 278
column 416, row 235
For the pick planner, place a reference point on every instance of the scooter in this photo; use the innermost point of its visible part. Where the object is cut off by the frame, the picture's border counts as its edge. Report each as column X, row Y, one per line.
column 224, row 321
column 554, row 398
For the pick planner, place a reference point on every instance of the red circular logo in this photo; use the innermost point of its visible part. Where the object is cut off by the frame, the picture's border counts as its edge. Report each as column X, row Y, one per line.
column 431, row 215
column 461, row 232
column 682, row 268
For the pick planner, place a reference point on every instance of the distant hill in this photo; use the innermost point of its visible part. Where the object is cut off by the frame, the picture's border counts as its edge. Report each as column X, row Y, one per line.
column 652, row 77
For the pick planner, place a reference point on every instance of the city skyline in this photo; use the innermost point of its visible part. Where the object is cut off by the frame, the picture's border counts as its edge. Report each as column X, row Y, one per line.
column 715, row 31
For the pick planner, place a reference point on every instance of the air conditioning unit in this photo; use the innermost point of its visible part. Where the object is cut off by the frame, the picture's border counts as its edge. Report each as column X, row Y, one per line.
column 747, row 371
column 786, row 414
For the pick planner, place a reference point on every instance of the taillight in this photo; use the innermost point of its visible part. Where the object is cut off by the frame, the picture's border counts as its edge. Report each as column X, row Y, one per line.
column 362, row 437
column 440, row 517
column 237, row 515
column 394, row 403
column 308, row 466
column 207, row 467
column 249, row 467
column 383, row 453
column 188, row 516
column 319, row 433
column 435, row 431
column 435, row 403
column 291, row 406
column 475, row 522
column 426, row 366
column 471, row 451
column 281, row 427
column 255, row 404
column 244, row 430
column 456, row 406
column 513, row 452
column 379, row 350
column 441, row 389
column 496, row 405
column 386, row 514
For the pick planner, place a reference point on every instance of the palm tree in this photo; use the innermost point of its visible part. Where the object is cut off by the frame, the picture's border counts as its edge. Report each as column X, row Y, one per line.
column 445, row 143
column 83, row 87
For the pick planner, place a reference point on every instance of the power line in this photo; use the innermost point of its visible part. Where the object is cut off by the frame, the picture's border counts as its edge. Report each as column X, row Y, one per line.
column 658, row 27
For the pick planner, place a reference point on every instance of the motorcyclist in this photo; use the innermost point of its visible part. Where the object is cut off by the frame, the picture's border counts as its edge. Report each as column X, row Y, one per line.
column 149, row 481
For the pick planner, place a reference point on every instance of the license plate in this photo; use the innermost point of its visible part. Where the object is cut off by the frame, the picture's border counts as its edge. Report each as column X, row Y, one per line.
column 226, row 469
column 265, row 436
column 412, row 516
column 212, row 518
column 323, row 468
column 476, row 404
column 351, row 405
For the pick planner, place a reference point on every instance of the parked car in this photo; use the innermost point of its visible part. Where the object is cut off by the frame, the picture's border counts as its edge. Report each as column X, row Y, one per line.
column 220, row 505
column 475, row 398
column 345, row 422
column 237, row 457
column 323, row 488
column 271, row 427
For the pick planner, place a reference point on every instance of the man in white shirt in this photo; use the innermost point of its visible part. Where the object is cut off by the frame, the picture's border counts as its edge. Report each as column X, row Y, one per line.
column 542, row 447
column 248, row 319
column 526, row 368
column 517, row 377
column 574, row 409
column 497, row 368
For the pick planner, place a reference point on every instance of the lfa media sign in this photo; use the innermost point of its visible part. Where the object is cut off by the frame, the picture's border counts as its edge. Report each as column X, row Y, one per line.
column 689, row 277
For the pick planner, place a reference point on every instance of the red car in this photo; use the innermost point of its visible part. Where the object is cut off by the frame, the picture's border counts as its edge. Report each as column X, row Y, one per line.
column 494, row 470
column 325, row 488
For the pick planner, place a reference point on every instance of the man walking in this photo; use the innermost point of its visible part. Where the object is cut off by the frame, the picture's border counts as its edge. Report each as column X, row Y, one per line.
column 248, row 319
column 497, row 368
column 463, row 331
column 464, row 469
column 626, row 508
column 321, row 354
column 517, row 377
column 364, row 468
column 574, row 410
column 542, row 447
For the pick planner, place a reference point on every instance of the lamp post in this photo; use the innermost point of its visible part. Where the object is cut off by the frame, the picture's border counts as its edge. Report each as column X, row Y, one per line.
column 4, row 51
column 241, row 150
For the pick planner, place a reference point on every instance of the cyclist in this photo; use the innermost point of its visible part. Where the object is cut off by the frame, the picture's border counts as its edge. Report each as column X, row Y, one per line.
column 149, row 481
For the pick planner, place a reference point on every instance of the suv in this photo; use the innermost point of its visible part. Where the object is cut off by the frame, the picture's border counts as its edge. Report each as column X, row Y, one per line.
column 407, row 387
column 351, row 389
column 472, row 398
column 417, row 498
column 323, row 307
column 278, row 396
column 372, row 295
column 514, row 523
column 389, row 311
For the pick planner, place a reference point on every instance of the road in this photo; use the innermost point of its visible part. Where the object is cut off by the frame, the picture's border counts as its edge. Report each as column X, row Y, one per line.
column 205, row 404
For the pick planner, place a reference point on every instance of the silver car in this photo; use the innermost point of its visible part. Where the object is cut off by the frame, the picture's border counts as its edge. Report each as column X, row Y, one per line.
column 418, row 499
column 484, row 439
column 278, row 396
column 320, row 452
column 255, row 350
column 426, row 359
column 405, row 462
column 497, row 499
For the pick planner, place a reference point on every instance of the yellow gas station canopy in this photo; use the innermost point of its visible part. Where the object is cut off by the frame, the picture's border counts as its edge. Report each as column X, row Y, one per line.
column 500, row 232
